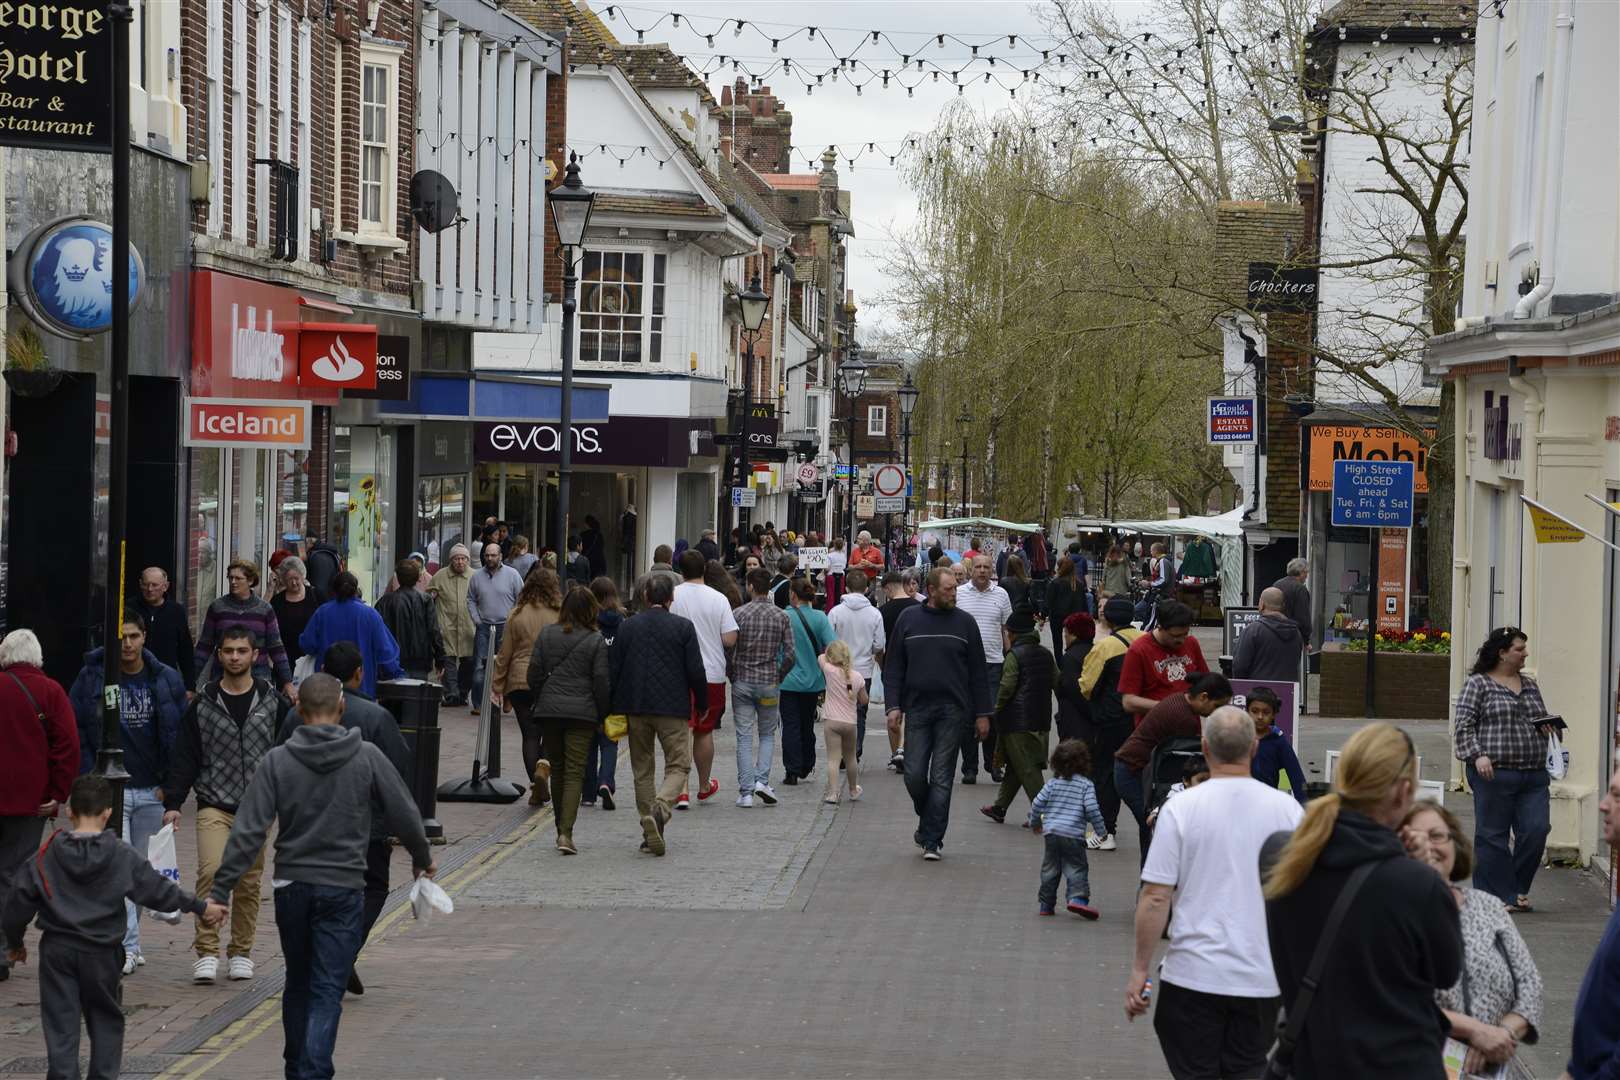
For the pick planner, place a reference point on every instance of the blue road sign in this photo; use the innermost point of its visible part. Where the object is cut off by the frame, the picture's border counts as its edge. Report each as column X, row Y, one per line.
column 1374, row 494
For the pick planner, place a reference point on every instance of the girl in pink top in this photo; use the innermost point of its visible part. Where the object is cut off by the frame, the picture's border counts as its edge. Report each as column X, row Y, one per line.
column 845, row 690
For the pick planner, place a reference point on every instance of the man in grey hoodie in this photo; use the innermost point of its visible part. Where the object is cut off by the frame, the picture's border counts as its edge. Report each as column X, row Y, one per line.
column 77, row 884
column 319, row 786
column 1270, row 647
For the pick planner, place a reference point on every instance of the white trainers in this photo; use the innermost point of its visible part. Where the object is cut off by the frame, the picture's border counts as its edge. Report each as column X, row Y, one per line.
column 745, row 801
column 206, row 970
column 1108, row 843
column 130, row 963
column 241, row 968
column 766, row 795
column 140, row 959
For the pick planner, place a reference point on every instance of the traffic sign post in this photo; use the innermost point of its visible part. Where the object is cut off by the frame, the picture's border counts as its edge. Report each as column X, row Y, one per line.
column 744, row 496
column 1373, row 495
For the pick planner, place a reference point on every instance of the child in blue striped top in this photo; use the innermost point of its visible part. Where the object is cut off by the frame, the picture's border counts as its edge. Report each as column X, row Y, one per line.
column 1060, row 813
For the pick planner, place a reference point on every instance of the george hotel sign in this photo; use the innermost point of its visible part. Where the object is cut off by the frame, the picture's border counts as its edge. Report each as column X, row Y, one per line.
column 1280, row 288
column 55, row 75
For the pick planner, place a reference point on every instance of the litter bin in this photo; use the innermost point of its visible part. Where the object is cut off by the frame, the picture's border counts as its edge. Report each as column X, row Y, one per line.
column 414, row 703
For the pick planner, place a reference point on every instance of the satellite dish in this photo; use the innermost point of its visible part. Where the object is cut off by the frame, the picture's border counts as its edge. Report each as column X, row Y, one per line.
column 434, row 203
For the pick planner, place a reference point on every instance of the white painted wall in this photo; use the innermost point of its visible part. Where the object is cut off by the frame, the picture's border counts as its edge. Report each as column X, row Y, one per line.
column 477, row 92
column 1509, row 226
column 1361, row 308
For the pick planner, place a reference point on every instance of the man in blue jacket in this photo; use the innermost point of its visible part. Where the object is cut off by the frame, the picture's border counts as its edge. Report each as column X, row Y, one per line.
column 151, row 700
column 934, row 677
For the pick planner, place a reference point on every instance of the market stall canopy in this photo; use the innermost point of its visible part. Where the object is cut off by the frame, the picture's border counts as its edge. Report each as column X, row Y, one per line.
column 1227, row 524
column 977, row 523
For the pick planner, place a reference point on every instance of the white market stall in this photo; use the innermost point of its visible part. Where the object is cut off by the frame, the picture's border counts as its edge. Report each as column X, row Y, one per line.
column 1225, row 531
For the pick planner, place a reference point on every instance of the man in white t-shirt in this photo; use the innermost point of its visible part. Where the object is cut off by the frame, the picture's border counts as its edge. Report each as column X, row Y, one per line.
column 710, row 614
column 1217, row 995
column 990, row 607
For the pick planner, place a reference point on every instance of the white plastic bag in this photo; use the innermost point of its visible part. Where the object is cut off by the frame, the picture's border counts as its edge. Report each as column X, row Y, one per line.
column 303, row 669
column 427, row 897
column 1557, row 757
column 161, row 854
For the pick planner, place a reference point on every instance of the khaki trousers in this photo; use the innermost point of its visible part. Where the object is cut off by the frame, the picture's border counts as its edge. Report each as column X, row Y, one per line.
column 213, row 829
column 674, row 734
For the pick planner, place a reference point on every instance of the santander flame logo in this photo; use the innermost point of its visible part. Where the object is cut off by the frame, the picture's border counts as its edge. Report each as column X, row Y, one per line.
column 338, row 365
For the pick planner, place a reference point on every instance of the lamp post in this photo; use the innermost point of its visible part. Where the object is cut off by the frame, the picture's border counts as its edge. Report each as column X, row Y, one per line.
column 571, row 203
column 110, row 755
column 962, row 422
column 908, row 401
column 753, row 301
column 852, row 376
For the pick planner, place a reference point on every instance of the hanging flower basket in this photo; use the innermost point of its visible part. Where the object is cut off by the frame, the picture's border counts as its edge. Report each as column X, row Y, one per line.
column 28, row 368
column 33, row 384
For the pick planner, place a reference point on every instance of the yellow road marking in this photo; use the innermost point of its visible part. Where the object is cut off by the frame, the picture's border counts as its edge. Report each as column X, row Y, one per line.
column 267, row 1013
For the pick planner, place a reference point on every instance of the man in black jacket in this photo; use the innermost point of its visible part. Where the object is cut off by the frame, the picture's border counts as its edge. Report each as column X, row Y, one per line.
column 378, row 727
column 168, row 632
column 655, row 692
column 1269, row 647
column 1296, row 596
column 413, row 618
column 934, row 677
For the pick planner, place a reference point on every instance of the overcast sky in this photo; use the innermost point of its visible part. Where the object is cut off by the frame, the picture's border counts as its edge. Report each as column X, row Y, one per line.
column 834, row 113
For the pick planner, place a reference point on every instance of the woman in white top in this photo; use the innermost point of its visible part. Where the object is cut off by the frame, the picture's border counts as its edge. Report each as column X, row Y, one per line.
column 846, row 690
column 837, row 563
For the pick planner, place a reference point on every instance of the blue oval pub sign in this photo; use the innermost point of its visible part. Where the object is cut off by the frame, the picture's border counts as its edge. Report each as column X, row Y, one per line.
column 69, row 275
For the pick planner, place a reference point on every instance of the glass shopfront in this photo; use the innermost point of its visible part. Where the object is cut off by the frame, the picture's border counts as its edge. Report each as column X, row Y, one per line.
column 362, row 505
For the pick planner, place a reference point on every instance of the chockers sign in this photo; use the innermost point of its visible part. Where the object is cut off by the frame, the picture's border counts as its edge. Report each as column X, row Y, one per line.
column 1278, row 288
column 55, row 66
column 1231, row 420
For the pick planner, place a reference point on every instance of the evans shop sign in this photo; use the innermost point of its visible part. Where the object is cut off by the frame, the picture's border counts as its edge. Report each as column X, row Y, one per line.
column 623, row 440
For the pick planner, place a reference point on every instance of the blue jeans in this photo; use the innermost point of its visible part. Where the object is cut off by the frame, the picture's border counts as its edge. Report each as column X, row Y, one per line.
column 1516, row 802
column 320, row 927
column 481, row 652
column 1134, row 795
column 143, row 816
column 755, row 706
column 1066, row 858
column 601, row 762
column 933, row 733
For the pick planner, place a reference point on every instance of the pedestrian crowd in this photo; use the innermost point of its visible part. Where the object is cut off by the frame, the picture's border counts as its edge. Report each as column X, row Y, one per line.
column 1366, row 897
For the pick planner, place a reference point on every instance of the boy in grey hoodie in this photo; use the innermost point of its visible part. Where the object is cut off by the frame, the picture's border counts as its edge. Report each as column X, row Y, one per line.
column 319, row 785
column 76, row 883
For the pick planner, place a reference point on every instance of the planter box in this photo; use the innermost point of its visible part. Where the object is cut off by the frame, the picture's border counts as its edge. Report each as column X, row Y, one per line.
column 1411, row 686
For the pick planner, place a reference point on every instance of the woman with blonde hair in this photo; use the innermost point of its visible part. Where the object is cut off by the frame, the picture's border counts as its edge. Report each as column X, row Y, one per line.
column 538, row 606
column 1397, row 939
column 846, row 690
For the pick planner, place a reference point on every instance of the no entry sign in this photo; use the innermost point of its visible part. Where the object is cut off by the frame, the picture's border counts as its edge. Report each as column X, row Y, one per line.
column 889, row 480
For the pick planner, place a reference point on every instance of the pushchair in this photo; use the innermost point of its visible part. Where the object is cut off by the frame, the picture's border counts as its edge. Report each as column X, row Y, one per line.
column 1166, row 768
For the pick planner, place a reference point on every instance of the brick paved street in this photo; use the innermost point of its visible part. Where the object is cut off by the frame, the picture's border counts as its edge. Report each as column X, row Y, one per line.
column 797, row 941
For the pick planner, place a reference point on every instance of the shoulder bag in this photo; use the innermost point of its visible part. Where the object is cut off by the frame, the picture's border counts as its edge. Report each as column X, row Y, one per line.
column 39, row 714
column 815, row 642
column 1280, row 1063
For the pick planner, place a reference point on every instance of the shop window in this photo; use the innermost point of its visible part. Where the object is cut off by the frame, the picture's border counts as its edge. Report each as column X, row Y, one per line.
column 622, row 307
column 362, row 505
column 440, row 510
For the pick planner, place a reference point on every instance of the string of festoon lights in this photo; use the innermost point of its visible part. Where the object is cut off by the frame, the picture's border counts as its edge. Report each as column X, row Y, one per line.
column 1144, row 64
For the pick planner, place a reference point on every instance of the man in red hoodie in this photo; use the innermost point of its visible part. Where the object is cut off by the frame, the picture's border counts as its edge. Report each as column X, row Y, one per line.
column 41, row 741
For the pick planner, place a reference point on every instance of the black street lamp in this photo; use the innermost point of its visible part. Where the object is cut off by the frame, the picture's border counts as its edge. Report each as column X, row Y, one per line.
column 571, row 203
column 754, row 301
column 908, row 401
column 962, row 422
column 852, row 377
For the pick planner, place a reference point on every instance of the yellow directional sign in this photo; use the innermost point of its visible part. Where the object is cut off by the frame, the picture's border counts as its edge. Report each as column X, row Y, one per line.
column 1552, row 529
